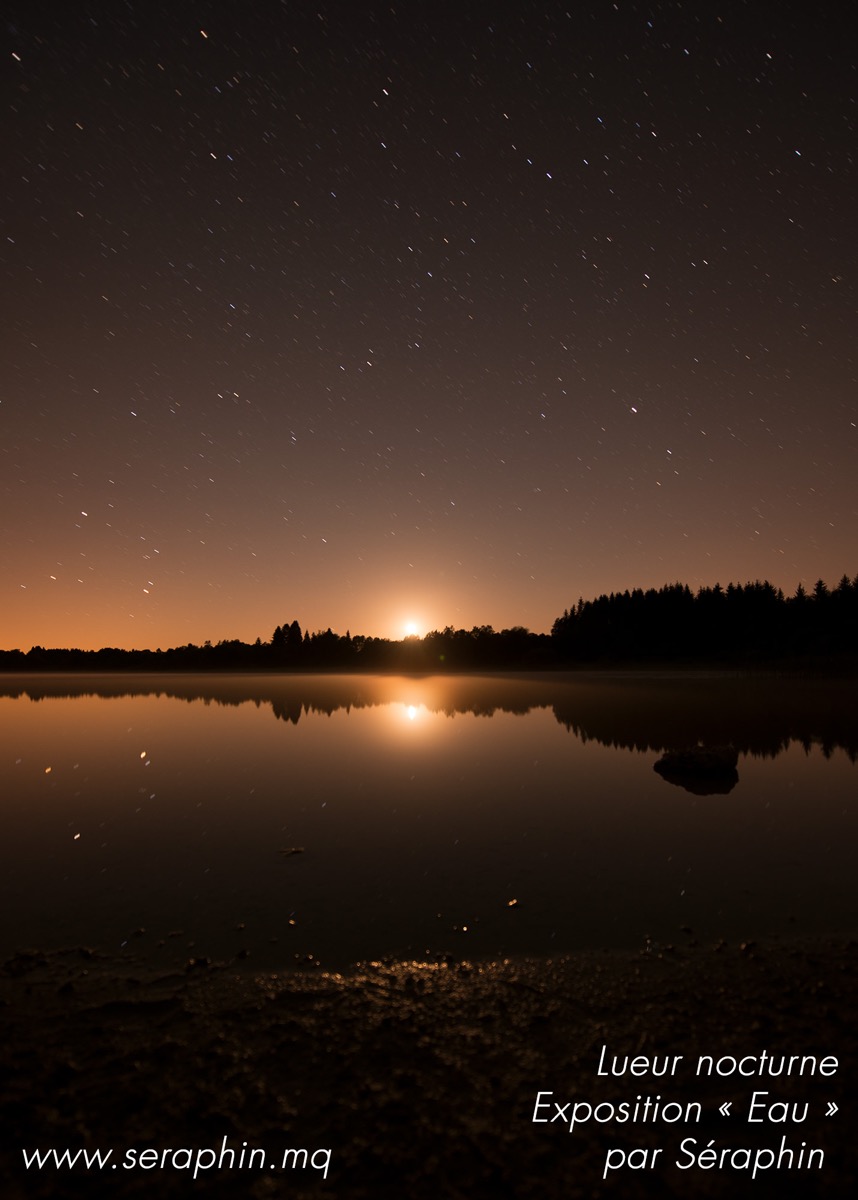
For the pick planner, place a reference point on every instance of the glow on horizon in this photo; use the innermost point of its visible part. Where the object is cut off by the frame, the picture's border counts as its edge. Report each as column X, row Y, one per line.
column 197, row 613
column 472, row 378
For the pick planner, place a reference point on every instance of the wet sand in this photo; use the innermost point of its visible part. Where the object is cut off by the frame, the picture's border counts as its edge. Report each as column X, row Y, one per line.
column 421, row 1079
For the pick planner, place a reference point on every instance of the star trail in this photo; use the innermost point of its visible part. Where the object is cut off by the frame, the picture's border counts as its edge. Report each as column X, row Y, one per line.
column 388, row 317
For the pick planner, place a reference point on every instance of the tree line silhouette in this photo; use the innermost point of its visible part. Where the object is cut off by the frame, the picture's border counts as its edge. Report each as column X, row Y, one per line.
column 753, row 622
column 750, row 624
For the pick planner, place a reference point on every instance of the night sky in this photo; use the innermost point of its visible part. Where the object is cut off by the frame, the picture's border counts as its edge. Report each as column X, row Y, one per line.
column 436, row 313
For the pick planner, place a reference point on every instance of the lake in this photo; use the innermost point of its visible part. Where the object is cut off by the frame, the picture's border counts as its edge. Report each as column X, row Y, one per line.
column 331, row 819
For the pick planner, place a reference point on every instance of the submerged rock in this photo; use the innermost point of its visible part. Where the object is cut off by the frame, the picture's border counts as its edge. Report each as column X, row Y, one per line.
column 702, row 770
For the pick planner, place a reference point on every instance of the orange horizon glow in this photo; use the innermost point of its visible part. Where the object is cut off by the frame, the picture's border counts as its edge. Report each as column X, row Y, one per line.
column 480, row 380
column 56, row 614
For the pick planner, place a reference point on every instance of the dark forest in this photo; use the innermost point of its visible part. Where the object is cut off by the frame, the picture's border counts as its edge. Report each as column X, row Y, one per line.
column 743, row 625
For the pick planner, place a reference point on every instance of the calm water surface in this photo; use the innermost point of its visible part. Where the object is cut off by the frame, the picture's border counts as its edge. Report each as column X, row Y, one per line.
column 149, row 817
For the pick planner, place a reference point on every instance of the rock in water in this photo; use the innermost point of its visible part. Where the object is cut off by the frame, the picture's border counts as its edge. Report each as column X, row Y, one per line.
column 702, row 770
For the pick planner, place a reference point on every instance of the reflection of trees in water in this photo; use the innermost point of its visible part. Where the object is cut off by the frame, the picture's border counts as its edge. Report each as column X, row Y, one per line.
column 287, row 711
column 678, row 736
column 756, row 715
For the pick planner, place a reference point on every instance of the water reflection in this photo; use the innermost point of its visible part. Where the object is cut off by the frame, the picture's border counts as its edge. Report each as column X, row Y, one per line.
column 422, row 809
column 642, row 711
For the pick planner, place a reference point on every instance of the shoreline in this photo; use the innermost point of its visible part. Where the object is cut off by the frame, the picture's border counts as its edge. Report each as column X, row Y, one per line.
column 839, row 668
column 421, row 1079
